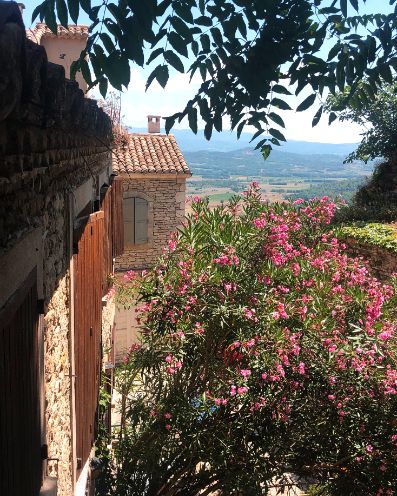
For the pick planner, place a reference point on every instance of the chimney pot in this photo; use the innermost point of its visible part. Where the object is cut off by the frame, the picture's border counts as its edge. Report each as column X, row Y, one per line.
column 153, row 124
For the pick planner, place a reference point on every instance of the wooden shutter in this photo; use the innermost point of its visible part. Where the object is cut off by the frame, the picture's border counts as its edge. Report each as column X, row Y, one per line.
column 106, row 206
column 20, row 433
column 88, row 273
column 129, row 220
column 117, row 218
column 141, row 221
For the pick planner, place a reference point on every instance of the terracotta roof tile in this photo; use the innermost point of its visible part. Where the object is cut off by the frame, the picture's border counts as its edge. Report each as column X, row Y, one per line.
column 40, row 30
column 150, row 153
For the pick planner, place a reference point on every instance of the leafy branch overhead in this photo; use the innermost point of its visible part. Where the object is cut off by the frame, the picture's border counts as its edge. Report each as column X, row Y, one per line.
column 247, row 52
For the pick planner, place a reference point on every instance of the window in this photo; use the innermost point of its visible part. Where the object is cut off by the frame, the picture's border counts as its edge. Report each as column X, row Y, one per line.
column 135, row 221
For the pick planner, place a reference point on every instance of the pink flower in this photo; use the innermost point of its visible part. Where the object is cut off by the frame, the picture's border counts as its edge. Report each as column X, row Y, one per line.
column 242, row 390
column 130, row 275
column 167, row 415
column 331, row 397
column 172, row 245
column 178, row 365
column 369, row 448
column 168, row 427
column 298, row 201
column 233, row 390
column 301, row 368
column 168, row 358
column 245, row 373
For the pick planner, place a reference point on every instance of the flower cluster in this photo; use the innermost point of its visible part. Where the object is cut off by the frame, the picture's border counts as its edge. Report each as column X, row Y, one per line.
column 260, row 331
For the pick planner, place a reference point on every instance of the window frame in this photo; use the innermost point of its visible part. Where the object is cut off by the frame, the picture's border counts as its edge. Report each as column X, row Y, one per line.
column 138, row 246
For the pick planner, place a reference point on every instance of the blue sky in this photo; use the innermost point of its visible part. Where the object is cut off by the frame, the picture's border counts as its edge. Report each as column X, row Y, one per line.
column 137, row 104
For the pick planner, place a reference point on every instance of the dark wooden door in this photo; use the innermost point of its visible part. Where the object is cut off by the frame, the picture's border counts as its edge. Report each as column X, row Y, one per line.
column 20, row 432
column 88, row 284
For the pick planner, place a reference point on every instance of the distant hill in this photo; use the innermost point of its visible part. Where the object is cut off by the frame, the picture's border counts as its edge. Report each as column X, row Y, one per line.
column 227, row 141
column 247, row 162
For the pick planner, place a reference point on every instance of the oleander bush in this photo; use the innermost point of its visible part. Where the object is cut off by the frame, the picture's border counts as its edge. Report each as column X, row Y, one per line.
column 265, row 350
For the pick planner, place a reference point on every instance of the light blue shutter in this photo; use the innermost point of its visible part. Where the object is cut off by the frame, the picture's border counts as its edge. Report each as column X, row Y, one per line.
column 129, row 220
column 141, row 221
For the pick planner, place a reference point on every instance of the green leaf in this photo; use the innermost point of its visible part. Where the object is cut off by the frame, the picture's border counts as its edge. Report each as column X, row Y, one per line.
column 162, row 75
column 208, row 130
column 332, row 118
column 38, row 11
column 265, row 150
column 203, row 21
column 181, row 27
column 183, row 11
column 277, row 134
column 103, row 87
column 118, row 70
column 281, row 104
column 317, row 117
column 174, row 60
column 85, row 71
column 277, row 88
column 205, row 43
column 202, row 6
column 277, row 119
column 354, row 4
column 217, row 36
column 169, row 123
column 86, row 5
column 155, row 54
column 192, row 118
column 308, row 102
column 74, row 7
column 50, row 18
column 178, row 43
column 343, row 7
column 107, row 42
column 62, row 12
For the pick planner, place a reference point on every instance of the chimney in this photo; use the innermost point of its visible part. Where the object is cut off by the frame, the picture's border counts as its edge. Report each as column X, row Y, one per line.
column 153, row 124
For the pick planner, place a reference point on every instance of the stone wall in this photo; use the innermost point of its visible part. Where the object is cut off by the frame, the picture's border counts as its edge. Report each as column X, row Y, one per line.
column 52, row 141
column 166, row 198
column 383, row 262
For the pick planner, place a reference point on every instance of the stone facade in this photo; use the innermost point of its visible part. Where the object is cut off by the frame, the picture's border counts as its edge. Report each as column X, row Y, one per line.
column 54, row 158
column 166, row 196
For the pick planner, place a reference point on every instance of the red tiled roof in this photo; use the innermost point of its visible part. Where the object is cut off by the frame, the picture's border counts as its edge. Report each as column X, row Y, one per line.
column 40, row 30
column 150, row 153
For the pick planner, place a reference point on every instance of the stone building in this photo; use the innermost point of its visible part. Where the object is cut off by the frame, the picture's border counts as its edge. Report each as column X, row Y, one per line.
column 63, row 48
column 60, row 229
column 153, row 172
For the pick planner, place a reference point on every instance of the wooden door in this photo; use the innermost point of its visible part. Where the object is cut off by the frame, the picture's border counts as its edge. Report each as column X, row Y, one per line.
column 88, row 280
column 21, row 467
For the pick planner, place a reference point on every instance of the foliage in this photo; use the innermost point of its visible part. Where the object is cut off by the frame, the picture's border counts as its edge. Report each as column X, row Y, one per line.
column 246, row 51
column 382, row 235
column 103, row 484
column 265, row 350
column 378, row 113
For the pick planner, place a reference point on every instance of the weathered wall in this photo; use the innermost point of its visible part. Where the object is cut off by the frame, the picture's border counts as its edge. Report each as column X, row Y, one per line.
column 166, row 199
column 52, row 140
column 382, row 262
